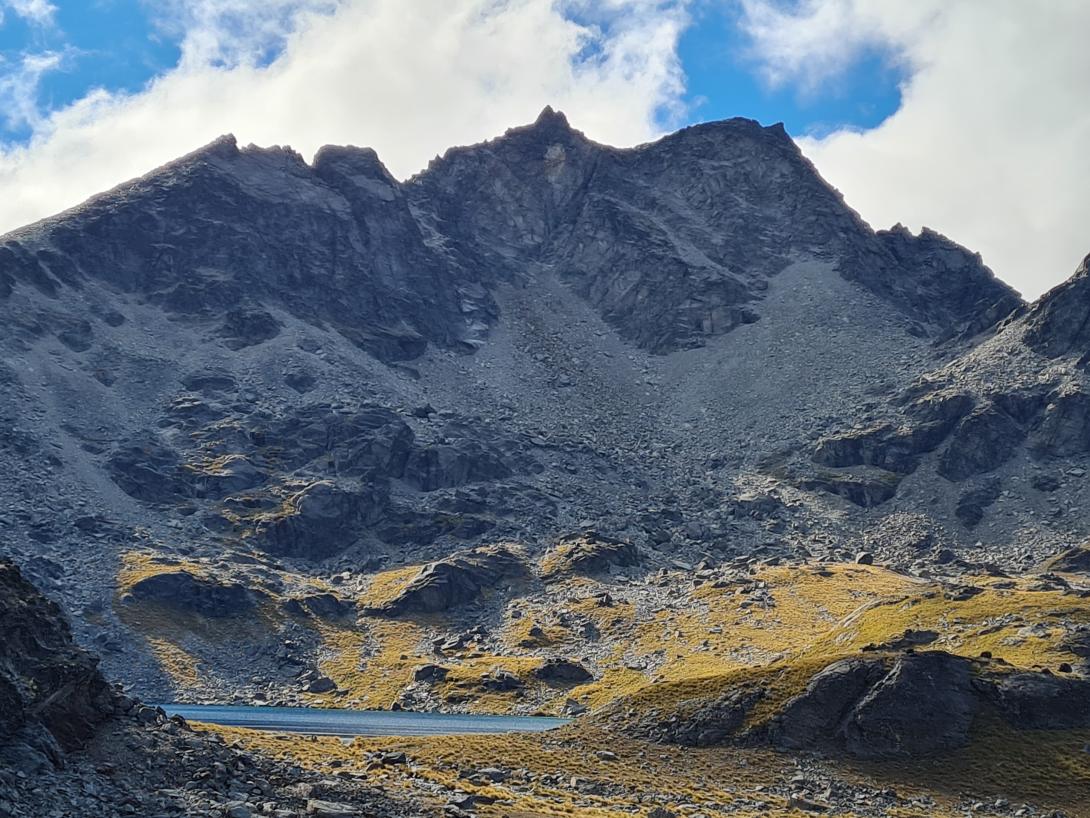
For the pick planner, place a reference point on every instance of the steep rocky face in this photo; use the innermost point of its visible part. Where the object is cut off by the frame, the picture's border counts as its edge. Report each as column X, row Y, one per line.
column 675, row 241
column 221, row 236
column 46, row 682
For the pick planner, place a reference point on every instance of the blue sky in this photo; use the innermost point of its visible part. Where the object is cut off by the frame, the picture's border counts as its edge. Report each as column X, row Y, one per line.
column 723, row 80
column 118, row 45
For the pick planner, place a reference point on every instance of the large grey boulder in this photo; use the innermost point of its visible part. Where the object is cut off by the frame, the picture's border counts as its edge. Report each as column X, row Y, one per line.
column 923, row 706
column 815, row 716
column 187, row 592
column 455, row 581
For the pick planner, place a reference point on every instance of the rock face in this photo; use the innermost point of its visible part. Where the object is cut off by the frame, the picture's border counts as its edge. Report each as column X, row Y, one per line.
column 568, row 193
column 919, row 704
column 924, row 705
column 885, row 706
column 318, row 521
column 240, row 221
column 51, row 692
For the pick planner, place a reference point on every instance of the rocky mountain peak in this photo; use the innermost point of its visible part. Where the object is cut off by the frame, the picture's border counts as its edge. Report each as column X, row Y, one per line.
column 551, row 122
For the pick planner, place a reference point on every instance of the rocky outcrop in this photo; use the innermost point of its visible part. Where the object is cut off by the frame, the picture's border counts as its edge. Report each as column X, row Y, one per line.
column 1075, row 560
column 589, row 553
column 981, row 442
column 186, row 592
column 455, row 581
column 972, row 505
column 52, row 695
column 319, row 520
column 1041, row 701
column 464, row 455
column 563, row 672
column 884, row 705
column 920, row 704
column 233, row 234
column 866, row 488
column 323, row 606
column 947, row 285
column 924, row 705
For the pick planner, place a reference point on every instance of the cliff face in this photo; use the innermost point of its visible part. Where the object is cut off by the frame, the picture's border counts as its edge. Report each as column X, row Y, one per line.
column 672, row 242
column 46, row 681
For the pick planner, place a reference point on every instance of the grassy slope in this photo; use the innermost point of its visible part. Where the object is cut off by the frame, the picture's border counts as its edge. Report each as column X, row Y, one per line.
column 780, row 625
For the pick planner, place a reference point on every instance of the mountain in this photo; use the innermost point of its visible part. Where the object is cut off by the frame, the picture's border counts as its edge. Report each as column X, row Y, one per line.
column 665, row 433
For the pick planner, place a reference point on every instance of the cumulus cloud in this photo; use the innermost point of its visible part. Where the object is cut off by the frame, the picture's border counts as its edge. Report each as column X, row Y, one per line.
column 409, row 79
column 990, row 142
column 39, row 12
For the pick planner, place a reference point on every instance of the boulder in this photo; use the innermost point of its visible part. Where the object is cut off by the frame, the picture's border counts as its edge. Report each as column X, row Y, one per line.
column 923, row 706
column 430, row 674
column 816, row 714
column 456, row 580
column 589, row 553
column 972, row 504
column 187, row 592
column 563, row 672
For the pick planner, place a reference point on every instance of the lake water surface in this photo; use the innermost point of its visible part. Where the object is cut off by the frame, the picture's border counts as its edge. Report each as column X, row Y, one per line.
column 320, row 721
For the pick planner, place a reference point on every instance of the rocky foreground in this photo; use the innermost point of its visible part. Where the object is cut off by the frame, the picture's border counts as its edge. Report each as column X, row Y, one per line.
column 72, row 745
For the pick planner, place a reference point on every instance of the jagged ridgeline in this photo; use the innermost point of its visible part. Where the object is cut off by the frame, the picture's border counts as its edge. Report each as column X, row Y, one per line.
column 666, row 438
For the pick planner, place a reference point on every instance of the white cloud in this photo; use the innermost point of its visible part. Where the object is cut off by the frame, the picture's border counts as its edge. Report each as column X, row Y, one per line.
column 19, row 88
column 990, row 142
column 409, row 79
column 39, row 12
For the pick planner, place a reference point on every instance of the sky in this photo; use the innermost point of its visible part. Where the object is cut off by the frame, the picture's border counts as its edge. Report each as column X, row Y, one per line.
column 971, row 117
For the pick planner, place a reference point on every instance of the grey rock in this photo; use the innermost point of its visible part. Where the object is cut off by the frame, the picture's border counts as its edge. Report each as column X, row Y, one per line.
column 563, row 672
column 183, row 591
column 456, row 580
column 51, row 692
